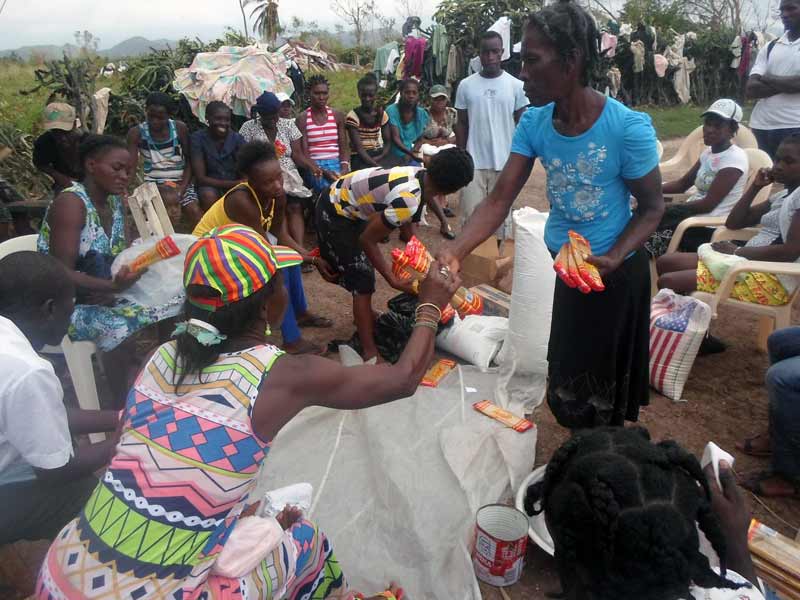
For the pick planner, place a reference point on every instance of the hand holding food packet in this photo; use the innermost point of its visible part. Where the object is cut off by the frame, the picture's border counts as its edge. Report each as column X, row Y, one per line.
column 571, row 266
column 164, row 248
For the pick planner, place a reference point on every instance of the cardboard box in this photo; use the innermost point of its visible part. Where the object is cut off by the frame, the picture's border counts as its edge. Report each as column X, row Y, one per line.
column 486, row 264
column 495, row 302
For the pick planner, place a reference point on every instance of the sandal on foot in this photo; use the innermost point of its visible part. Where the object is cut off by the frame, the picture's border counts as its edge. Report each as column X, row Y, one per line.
column 747, row 447
column 448, row 212
column 447, row 233
column 315, row 321
column 755, row 485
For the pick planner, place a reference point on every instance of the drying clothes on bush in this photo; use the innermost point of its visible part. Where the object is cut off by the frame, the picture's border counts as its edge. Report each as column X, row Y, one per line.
column 637, row 48
column 415, row 55
column 614, row 81
column 455, row 64
column 440, row 46
column 660, row 64
column 503, row 27
column 608, row 44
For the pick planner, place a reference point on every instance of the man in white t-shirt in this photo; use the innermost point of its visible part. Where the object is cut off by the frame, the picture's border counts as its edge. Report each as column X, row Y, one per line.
column 775, row 82
column 44, row 482
column 489, row 104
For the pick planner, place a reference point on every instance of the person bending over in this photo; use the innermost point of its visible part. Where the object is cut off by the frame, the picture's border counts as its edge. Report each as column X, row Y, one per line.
column 623, row 513
column 44, row 481
column 363, row 207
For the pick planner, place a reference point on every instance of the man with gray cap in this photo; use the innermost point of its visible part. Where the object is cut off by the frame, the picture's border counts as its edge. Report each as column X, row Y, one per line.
column 55, row 152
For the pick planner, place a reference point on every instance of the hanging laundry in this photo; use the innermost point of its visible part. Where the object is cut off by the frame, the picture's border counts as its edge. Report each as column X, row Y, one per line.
column 415, row 55
column 637, row 48
column 736, row 50
column 503, row 27
column 681, row 82
column 653, row 34
column 747, row 52
column 608, row 44
column 625, row 30
column 614, row 81
column 455, row 65
column 383, row 58
column 660, row 64
column 439, row 46
column 474, row 65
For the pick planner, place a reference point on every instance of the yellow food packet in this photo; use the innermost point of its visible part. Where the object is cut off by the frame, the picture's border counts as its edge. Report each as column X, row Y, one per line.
column 437, row 372
column 500, row 414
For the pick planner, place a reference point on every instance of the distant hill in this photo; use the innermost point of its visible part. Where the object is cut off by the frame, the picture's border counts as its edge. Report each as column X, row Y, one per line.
column 134, row 46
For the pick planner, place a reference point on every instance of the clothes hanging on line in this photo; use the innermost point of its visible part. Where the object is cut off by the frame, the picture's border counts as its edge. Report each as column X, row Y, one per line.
column 440, row 47
column 637, row 49
column 608, row 44
column 660, row 64
column 455, row 65
column 503, row 27
column 614, row 81
column 415, row 55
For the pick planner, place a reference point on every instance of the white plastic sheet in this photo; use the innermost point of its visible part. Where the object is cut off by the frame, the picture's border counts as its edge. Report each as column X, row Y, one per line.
column 397, row 486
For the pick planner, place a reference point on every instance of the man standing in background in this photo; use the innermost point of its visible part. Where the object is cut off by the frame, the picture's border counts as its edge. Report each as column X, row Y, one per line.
column 489, row 104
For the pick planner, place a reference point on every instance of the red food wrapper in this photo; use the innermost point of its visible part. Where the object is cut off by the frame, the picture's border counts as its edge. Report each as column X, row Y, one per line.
column 164, row 248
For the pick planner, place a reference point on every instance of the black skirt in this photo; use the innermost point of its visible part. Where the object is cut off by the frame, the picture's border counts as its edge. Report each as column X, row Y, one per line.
column 599, row 349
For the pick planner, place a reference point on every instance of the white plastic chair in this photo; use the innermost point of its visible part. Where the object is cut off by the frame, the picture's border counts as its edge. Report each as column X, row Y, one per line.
column 757, row 160
column 692, row 146
column 77, row 355
column 149, row 213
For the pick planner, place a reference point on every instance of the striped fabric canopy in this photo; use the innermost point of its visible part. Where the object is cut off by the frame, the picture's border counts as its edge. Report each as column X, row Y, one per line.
column 235, row 261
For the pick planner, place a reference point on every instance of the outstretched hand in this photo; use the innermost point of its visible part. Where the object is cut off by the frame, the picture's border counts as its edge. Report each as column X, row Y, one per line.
column 439, row 285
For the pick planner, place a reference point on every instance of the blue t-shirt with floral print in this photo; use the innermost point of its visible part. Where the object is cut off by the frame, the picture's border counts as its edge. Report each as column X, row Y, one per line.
column 586, row 173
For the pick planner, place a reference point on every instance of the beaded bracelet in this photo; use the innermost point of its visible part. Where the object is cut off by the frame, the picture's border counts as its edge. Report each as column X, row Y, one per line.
column 428, row 324
column 433, row 306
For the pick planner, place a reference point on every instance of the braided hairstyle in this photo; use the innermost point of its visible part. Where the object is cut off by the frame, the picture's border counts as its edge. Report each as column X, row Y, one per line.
column 451, row 169
column 316, row 80
column 252, row 153
column 95, row 145
column 622, row 510
column 570, row 28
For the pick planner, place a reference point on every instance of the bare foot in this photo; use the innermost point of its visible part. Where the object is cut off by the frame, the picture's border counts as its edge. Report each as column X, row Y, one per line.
column 289, row 516
column 758, row 445
column 771, row 485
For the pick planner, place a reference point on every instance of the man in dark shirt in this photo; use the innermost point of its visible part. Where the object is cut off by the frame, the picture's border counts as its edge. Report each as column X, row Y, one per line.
column 55, row 152
column 214, row 152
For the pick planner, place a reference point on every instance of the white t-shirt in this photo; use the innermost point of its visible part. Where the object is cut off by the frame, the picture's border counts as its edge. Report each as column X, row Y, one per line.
column 711, row 164
column 781, row 111
column 490, row 104
column 33, row 421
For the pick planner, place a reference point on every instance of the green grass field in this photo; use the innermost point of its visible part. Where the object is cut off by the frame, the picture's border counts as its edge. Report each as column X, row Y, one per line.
column 24, row 111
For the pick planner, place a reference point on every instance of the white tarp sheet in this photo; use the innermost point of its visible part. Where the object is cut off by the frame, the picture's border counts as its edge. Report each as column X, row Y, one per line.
column 396, row 487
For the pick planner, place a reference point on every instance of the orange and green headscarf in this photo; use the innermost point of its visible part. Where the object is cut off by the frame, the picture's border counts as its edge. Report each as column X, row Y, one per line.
column 234, row 260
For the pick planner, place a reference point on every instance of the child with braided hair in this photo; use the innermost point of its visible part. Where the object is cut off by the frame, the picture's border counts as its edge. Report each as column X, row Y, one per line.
column 623, row 511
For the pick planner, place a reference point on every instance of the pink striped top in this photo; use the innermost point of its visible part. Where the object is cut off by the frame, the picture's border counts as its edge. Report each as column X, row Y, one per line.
column 323, row 140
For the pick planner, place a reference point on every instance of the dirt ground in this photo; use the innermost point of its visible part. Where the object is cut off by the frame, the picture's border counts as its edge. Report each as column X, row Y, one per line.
column 725, row 399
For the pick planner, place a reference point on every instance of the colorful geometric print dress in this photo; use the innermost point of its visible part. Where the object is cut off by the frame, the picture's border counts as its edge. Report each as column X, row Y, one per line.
column 181, row 476
column 106, row 326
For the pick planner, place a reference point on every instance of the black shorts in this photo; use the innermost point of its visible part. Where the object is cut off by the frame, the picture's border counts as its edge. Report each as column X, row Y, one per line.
column 339, row 245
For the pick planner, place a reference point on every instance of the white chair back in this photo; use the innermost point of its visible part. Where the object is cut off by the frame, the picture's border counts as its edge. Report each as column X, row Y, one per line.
column 149, row 213
column 745, row 139
column 758, row 159
column 18, row 244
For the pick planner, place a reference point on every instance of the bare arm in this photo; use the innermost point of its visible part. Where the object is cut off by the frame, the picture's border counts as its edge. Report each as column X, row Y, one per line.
column 186, row 148
column 518, row 114
column 788, row 251
column 399, row 142
column 296, row 382
column 134, row 135
column 375, row 231
column 758, row 88
column 386, row 135
column 492, row 211
column 301, row 160
column 344, row 149
column 85, row 461
column 783, row 84
column 723, row 183
column 744, row 214
column 683, row 183
column 91, row 421
column 300, row 121
column 649, row 210
column 462, row 128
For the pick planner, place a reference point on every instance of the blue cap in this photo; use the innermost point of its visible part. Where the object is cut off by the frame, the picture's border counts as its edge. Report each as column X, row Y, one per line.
column 267, row 103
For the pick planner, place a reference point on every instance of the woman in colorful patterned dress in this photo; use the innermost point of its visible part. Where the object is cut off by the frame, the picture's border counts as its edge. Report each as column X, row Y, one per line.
column 84, row 228
column 197, row 427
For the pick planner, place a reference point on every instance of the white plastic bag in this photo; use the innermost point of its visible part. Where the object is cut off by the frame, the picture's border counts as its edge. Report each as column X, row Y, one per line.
column 678, row 325
column 476, row 339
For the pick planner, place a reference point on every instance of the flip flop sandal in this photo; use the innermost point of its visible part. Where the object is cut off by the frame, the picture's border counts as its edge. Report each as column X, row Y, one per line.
column 448, row 234
column 747, row 448
column 755, row 486
column 315, row 321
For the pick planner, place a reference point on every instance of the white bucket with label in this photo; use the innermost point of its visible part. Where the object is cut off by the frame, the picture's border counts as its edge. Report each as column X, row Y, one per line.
column 501, row 537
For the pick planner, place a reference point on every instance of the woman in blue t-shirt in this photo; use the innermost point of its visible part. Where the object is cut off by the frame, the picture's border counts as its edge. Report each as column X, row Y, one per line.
column 597, row 153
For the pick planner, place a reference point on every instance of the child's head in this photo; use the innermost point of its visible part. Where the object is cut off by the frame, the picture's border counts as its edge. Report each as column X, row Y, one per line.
column 218, row 116
column 622, row 513
column 450, row 170
column 787, row 162
column 258, row 162
column 367, row 90
column 318, row 90
column 37, row 295
column 158, row 107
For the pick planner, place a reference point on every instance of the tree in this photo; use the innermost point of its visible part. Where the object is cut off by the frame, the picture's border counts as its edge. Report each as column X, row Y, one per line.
column 408, row 8
column 244, row 16
column 466, row 20
column 358, row 13
column 266, row 25
column 661, row 14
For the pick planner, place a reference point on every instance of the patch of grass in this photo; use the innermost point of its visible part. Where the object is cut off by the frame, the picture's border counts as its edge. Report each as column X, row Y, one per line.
column 344, row 95
column 679, row 121
column 23, row 112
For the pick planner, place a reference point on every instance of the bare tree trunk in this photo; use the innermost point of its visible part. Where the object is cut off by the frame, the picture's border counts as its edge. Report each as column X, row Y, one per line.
column 244, row 17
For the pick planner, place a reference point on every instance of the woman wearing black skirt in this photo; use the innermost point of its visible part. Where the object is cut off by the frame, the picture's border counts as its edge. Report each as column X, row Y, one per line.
column 597, row 153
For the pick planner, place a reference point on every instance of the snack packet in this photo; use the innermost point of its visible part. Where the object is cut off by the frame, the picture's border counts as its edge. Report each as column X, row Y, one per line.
column 164, row 248
column 588, row 272
column 437, row 372
column 574, row 274
column 500, row 414
column 560, row 267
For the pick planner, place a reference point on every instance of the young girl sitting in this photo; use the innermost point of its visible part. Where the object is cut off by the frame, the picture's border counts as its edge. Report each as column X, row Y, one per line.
column 368, row 127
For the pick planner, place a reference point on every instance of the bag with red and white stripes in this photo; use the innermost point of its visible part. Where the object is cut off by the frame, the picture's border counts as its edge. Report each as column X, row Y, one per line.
column 677, row 327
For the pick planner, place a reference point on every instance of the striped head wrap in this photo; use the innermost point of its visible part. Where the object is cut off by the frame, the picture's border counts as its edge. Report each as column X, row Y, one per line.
column 235, row 261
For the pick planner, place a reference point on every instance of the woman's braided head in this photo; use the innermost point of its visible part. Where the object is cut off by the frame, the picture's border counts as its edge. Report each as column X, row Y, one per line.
column 570, row 29
column 451, row 169
column 622, row 513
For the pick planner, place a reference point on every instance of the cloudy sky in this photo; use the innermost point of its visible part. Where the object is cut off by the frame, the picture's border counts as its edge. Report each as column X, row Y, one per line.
column 28, row 22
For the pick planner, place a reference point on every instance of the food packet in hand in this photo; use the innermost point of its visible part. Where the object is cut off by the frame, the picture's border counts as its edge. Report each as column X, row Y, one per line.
column 572, row 269
column 560, row 266
column 588, row 272
column 164, row 248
